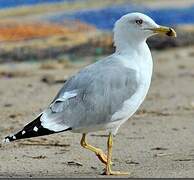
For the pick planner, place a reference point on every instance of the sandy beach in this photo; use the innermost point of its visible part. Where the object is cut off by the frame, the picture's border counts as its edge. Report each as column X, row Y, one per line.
column 156, row 142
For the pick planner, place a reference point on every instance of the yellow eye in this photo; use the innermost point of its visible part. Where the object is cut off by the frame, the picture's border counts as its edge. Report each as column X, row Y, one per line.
column 139, row 21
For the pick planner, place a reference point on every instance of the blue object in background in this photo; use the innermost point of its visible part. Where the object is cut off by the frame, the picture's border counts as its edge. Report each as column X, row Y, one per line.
column 15, row 3
column 105, row 18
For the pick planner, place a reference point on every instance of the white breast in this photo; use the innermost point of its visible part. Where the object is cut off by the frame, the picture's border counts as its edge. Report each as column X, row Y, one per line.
column 143, row 66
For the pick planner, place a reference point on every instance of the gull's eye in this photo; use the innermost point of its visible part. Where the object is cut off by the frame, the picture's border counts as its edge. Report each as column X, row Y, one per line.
column 139, row 21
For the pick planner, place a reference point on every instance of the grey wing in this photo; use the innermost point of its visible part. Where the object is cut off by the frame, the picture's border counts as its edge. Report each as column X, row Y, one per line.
column 91, row 97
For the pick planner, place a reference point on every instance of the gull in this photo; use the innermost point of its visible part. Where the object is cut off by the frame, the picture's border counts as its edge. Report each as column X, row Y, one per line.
column 103, row 95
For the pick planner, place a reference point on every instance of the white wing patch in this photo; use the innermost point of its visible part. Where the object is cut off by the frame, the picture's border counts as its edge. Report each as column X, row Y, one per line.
column 6, row 140
column 35, row 129
column 58, row 104
column 69, row 94
column 52, row 118
column 66, row 96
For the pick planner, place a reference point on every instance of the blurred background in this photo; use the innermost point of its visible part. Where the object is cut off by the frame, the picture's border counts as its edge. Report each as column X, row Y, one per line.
column 44, row 42
column 39, row 30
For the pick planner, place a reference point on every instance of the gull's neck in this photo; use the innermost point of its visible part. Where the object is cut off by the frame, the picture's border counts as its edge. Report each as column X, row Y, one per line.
column 134, row 50
column 126, row 44
column 130, row 48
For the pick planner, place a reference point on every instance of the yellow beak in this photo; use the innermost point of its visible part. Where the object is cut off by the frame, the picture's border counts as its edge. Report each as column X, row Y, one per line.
column 165, row 30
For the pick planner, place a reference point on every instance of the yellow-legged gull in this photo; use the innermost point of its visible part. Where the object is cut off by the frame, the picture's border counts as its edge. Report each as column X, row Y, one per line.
column 105, row 94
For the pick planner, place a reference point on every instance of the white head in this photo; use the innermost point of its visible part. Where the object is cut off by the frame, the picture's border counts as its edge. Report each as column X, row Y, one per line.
column 134, row 28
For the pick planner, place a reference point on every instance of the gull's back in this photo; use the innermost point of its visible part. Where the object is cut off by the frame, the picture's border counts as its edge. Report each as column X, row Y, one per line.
column 92, row 96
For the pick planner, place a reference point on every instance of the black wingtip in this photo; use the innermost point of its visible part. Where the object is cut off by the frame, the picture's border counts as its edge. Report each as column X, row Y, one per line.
column 32, row 129
column 7, row 139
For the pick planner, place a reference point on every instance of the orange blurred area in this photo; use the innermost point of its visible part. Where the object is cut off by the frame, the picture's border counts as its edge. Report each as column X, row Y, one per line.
column 26, row 31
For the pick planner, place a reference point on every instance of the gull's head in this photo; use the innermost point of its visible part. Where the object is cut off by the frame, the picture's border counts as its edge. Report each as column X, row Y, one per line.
column 137, row 27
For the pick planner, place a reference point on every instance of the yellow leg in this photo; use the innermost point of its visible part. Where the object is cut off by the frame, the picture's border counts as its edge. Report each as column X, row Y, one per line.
column 99, row 153
column 108, row 170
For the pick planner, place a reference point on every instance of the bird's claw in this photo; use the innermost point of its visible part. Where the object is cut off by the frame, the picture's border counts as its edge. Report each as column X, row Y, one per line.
column 115, row 173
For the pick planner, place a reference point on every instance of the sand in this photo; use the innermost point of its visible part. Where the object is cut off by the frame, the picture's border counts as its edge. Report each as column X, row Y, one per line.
column 156, row 142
